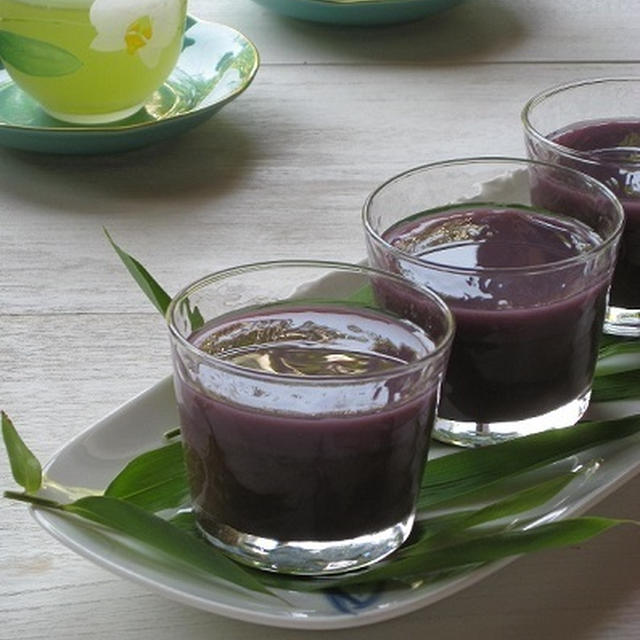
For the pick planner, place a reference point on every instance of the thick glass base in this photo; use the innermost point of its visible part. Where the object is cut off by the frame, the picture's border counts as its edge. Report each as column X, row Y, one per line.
column 94, row 118
column 473, row 434
column 308, row 557
column 622, row 322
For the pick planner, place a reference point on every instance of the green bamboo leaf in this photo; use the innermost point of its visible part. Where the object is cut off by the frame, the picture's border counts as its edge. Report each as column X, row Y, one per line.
column 186, row 521
column 616, row 386
column 607, row 340
column 26, row 469
column 617, row 356
column 172, row 433
column 154, row 481
column 195, row 317
column 363, row 296
column 622, row 347
column 485, row 548
column 31, row 499
column 36, row 57
column 158, row 296
column 519, row 502
column 149, row 285
column 450, row 525
column 156, row 533
column 462, row 474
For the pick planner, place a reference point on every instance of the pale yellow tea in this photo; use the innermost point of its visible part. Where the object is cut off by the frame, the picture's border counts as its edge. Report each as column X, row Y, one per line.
column 90, row 60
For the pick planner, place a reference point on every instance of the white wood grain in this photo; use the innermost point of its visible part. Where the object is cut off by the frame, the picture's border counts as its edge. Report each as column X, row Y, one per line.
column 280, row 172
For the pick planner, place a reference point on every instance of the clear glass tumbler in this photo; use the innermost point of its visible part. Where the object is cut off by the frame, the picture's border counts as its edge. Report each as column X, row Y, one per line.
column 306, row 393
column 594, row 126
column 522, row 252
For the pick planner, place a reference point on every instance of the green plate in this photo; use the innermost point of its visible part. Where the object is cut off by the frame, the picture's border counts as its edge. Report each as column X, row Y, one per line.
column 216, row 65
column 358, row 12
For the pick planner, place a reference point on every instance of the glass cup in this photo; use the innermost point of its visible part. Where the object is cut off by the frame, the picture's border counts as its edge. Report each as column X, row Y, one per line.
column 594, row 126
column 90, row 61
column 306, row 395
column 522, row 252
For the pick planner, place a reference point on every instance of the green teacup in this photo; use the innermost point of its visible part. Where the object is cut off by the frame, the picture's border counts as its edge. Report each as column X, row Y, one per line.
column 90, row 61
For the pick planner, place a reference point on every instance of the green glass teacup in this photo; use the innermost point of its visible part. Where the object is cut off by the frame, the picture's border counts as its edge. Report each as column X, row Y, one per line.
column 90, row 61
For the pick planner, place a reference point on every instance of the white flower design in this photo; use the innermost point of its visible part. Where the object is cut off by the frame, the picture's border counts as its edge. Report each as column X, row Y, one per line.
column 141, row 27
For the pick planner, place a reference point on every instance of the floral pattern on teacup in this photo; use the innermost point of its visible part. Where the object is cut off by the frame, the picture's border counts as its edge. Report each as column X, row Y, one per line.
column 143, row 28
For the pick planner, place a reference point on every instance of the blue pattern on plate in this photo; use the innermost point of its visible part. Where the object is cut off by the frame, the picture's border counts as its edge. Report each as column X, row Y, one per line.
column 346, row 602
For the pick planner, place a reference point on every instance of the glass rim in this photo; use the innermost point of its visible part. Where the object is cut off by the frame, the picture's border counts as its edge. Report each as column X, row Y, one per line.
column 440, row 345
column 550, row 92
column 497, row 160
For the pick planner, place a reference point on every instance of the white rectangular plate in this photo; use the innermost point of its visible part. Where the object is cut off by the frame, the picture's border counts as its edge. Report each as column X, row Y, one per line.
column 94, row 457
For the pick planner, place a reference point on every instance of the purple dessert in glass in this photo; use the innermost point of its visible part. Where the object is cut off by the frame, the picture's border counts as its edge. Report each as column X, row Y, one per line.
column 306, row 410
column 594, row 126
column 526, row 274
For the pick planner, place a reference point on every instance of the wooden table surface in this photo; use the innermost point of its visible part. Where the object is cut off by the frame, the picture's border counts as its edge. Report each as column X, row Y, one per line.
column 279, row 173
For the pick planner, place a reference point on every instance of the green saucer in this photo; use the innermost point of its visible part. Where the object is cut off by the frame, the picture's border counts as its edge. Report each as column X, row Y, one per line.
column 358, row 12
column 216, row 64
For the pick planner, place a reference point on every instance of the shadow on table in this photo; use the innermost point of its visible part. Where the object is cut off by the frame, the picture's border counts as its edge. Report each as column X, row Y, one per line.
column 200, row 164
column 470, row 32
